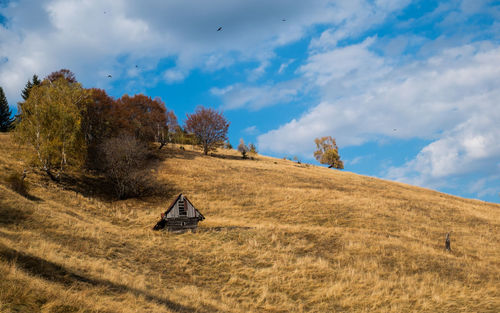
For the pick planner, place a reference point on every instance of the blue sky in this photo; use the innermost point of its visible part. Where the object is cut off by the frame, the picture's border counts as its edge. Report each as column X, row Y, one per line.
column 409, row 89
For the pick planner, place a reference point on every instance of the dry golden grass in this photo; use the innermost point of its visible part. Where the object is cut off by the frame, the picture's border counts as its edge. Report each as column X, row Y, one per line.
column 278, row 237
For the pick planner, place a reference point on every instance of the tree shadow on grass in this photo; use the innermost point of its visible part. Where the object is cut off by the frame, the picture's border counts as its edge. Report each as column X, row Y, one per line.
column 56, row 273
column 10, row 215
column 94, row 186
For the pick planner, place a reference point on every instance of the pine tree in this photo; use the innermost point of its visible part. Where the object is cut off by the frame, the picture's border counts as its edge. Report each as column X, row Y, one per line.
column 5, row 113
column 26, row 91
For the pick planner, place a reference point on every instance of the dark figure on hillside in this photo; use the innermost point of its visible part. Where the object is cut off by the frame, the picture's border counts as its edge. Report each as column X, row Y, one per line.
column 447, row 242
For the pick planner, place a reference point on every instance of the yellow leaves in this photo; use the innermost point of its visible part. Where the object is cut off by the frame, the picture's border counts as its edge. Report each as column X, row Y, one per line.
column 328, row 152
column 51, row 122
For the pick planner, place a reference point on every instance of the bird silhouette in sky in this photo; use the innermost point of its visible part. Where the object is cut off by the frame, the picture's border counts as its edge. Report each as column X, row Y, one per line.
column 219, row 29
column 109, row 76
column 394, row 129
column 283, row 20
column 136, row 66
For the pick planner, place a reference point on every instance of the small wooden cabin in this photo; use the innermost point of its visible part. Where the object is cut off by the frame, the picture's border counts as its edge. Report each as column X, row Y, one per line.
column 180, row 215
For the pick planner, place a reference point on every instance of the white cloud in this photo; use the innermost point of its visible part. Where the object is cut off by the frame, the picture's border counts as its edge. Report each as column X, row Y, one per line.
column 174, row 75
column 257, row 97
column 470, row 147
column 285, row 65
column 108, row 36
column 450, row 98
column 251, row 130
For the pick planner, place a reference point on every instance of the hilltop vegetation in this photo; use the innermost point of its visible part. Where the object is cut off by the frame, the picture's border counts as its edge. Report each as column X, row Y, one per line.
column 278, row 237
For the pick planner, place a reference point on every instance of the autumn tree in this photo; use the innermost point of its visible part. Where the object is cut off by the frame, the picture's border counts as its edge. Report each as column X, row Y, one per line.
column 209, row 126
column 252, row 149
column 181, row 136
column 5, row 113
column 141, row 116
column 65, row 74
column 97, row 124
column 51, row 123
column 243, row 149
column 327, row 152
column 165, row 132
column 227, row 145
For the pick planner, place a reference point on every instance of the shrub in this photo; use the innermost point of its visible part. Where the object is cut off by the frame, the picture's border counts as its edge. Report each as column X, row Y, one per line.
column 125, row 164
column 243, row 149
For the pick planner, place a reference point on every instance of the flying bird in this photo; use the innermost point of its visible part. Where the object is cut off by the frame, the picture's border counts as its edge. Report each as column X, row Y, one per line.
column 283, row 20
column 394, row 129
column 136, row 66
column 109, row 76
column 219, row 29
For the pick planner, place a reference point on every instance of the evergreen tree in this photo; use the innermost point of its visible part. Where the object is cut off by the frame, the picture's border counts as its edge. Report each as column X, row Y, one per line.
column 5, row 113
column 26, row 91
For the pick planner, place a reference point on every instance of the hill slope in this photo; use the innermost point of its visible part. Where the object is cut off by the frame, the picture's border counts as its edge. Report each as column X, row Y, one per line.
column 278, row 237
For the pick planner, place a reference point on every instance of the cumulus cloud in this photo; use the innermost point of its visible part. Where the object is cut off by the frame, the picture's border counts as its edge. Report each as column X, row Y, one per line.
column 93, row 38
column 258, row 96
column 450, row 98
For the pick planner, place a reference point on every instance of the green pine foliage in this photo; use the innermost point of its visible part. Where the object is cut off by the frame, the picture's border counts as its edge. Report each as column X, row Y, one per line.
column 26, row 91
column 5, row 113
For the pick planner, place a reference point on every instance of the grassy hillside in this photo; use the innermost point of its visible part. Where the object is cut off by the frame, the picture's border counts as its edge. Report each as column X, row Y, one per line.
column 278, row 237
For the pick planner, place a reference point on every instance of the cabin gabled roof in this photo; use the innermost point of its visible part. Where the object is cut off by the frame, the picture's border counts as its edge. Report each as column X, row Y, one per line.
column 185, row 199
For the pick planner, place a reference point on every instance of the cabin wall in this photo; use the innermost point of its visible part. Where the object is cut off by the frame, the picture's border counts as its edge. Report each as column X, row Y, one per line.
column 181, row 223
column 191, row 211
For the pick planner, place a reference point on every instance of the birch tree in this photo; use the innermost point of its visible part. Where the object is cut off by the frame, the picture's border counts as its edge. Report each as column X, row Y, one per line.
column 51, row 123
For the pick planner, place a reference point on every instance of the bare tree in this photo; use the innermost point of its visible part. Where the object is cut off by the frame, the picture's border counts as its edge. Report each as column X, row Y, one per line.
column 209, row 126
column 125, row 161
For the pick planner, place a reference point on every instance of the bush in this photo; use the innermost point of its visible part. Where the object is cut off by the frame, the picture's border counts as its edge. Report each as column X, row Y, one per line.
column 125, row 164
column 243, row 149
column 17, row 183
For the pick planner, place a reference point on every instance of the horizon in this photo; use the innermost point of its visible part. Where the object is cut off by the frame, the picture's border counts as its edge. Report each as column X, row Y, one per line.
column 408, row 89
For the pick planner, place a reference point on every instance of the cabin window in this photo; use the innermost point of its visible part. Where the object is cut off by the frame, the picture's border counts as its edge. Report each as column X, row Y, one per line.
column 182, row 209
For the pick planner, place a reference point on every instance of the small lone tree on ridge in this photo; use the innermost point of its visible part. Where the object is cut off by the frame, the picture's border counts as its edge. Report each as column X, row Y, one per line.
column 209, row 127
column 328, row 152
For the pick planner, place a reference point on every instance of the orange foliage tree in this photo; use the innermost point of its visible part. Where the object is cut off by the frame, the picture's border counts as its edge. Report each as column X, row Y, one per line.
column 97, row 123
column 66, row 74
column 140, row 116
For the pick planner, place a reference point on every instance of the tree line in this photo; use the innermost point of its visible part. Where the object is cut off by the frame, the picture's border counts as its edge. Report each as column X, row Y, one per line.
column 69, row 126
